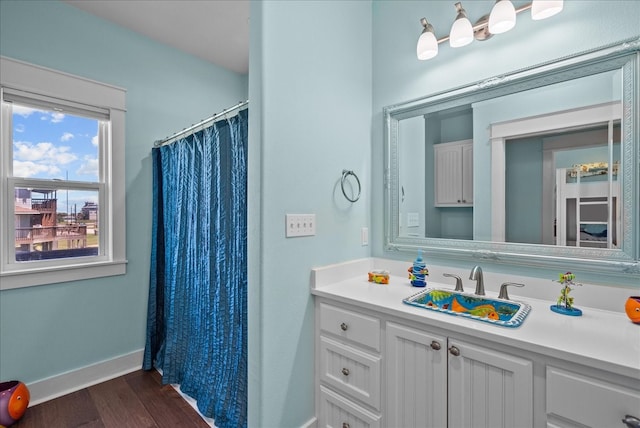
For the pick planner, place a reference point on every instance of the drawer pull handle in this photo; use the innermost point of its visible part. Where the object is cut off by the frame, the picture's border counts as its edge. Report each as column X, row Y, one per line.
column 345, row 425
column 454, row 351
column 344, row 327
column 345, row 371
column 435, row 346
column 631, row 421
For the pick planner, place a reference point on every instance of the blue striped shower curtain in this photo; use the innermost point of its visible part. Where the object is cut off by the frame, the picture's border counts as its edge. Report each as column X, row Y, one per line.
column 197, row 311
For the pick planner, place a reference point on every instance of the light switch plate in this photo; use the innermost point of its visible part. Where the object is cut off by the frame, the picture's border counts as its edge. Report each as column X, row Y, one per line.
column 300, row 225
column 413, row 219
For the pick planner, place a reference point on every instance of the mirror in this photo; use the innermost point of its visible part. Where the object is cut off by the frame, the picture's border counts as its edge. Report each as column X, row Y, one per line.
column 522, row 168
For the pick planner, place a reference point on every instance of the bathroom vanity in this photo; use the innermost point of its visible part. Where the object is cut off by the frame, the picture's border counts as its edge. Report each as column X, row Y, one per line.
column 383, row 363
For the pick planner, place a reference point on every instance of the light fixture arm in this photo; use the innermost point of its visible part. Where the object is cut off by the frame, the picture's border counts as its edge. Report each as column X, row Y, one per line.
column 480, row 28
column 461, row 12
column 426, row 26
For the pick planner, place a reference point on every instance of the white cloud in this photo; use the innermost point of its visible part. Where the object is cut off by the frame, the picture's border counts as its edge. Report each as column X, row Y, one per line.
column 29, row 169
column 24, row 111
column 95, row 141
column 66, row 136
column 50, row 116
column 88, row 167
column 19, row 128
column 43, row 153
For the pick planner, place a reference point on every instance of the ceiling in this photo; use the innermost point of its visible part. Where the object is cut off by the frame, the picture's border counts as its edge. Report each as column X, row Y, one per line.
column 214, row 30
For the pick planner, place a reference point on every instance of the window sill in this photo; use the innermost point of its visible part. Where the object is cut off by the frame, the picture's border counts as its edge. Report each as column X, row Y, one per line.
column 11, row 280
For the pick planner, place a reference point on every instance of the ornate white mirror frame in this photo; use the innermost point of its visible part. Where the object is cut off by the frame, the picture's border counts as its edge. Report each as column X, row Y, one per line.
column 624, row 260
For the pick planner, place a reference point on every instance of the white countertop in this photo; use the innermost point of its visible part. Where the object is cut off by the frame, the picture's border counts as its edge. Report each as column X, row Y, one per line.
column 602, row 339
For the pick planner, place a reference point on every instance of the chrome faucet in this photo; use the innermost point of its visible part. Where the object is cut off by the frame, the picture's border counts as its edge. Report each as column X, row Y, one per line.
column 503, row 289
column 458, row 281
column 476, row 275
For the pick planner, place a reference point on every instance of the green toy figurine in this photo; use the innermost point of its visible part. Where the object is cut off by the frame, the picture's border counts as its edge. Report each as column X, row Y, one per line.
column 564, row 305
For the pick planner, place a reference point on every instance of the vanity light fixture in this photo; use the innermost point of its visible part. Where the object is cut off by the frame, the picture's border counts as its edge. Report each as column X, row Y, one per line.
column 545, row 9
column 461, row 33
column 501, row 19
column 427, row 43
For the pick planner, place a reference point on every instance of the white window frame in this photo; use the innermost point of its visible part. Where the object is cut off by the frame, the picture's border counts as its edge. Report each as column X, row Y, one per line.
column 44, row 84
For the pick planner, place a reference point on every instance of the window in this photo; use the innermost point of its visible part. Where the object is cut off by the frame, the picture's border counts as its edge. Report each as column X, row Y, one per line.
column 62, row 171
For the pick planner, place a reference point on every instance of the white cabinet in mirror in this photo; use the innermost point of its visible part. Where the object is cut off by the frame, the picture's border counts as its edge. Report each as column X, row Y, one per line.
column 548, row 169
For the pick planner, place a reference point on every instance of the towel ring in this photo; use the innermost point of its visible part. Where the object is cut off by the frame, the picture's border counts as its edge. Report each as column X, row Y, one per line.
column 345, row 174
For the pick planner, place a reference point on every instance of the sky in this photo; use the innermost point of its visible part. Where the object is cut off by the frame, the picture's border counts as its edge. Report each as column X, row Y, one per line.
column 55, row 145
column 48, row 144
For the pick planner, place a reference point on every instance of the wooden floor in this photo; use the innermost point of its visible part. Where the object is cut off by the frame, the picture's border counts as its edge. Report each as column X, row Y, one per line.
column 134, row 400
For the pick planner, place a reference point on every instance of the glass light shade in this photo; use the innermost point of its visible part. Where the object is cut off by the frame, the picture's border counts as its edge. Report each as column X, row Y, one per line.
column 541, row 9
column 502, row 18
column 427, row 46
column 461, row 33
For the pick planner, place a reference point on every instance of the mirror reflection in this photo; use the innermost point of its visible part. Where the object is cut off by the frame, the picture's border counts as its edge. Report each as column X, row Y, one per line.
column 559, row 148
column 528, row 168
column 566, row 176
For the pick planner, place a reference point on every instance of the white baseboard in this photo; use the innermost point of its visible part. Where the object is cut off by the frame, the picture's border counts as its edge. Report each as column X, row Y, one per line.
column 66, row 383
column 311, row 423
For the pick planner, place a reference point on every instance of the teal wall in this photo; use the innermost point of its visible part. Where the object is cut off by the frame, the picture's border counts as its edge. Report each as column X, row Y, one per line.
column 415, row 172
column 398, row 76
column 51, row 329
column 523, row 191
column 310, row 87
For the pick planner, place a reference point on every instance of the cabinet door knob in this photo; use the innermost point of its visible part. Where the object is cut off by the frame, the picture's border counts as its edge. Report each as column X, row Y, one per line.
column 464, row 200
column 345, row 425
column 344, row 327
column 345, row 371
column 458, row 200
column 454, row 351
column 631, row 421
column 435, row 345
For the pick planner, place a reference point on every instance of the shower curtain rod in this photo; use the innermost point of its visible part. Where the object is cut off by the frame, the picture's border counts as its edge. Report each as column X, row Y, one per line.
column 206, row 121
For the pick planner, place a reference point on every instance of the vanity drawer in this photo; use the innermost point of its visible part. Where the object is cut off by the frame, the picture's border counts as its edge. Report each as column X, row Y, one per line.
column 351, row 371
column 353, row 326
column 588, row 401
column 338, row 412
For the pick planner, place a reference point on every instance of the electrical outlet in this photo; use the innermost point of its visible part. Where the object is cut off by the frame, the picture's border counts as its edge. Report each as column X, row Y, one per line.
column 300, row 225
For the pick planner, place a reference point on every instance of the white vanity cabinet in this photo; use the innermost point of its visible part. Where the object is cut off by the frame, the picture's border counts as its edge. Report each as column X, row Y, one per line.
column 348, row 368
column 411, row 367
column 373, row 371
column 438, row 381
column 577, row 399
column 453, row 174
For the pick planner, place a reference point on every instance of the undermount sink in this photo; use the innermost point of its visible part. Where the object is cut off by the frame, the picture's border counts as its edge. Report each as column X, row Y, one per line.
column 497, row 311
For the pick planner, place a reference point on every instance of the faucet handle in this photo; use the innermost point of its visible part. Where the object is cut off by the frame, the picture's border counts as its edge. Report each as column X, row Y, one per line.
column 503, row 289
column 458, row 281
